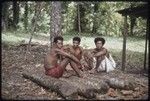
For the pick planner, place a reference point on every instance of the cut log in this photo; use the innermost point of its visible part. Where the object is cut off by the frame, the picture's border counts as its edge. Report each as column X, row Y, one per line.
column 121, row 84
column 126, row 92
column 112, row 93
column 63, row 88
column 68, row 88
column 87, row 87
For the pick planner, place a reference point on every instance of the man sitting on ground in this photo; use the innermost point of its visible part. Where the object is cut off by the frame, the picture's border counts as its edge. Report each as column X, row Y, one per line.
column 103, row 60
column 56, row 60
column 75, row 50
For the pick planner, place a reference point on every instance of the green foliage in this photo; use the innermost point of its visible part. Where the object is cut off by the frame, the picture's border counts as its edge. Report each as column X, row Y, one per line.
column 69, row 17
column 108, row 21
column 140, row 27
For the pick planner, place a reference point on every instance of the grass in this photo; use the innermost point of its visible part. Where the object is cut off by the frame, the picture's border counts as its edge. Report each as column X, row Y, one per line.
column 112, row 43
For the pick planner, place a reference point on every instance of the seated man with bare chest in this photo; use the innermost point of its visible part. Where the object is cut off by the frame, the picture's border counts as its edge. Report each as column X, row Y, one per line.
column 57, row 59
column 75, row 50
column 103, row 60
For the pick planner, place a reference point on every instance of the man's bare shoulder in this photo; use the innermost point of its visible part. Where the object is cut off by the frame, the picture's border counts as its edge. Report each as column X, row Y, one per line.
column 67, row 46
column 52, row 50
column 80, row 47
column 104, row 49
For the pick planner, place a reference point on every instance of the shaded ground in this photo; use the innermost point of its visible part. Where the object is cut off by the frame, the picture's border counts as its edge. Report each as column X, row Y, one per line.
column 14, row 86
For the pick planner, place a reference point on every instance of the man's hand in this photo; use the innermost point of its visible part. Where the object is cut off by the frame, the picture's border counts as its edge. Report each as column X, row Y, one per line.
column 75, row 59
column 82, row 75
column 92, row 71
column 62, row 52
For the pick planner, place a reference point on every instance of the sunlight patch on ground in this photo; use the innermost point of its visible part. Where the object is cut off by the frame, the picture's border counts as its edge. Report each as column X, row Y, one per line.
column 86, row 42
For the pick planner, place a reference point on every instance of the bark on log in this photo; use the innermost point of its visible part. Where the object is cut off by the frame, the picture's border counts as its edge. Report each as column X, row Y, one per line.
column 70, row 87
column 88, row 87
column 63, row 88
column 121, row 84
column 33, row 98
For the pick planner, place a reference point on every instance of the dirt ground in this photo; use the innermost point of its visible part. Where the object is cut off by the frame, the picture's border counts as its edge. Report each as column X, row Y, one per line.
column 14, row 86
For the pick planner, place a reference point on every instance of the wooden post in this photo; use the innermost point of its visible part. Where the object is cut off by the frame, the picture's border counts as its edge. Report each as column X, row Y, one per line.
column 146, row 39
column 124, row 44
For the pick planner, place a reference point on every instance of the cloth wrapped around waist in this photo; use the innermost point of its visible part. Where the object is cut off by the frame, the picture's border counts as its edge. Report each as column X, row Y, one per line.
column 107, row 64
column 56, row 71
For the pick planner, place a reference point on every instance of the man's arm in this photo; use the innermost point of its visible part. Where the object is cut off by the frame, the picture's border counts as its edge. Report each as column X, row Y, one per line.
column 102, row 52
column 81, row 51
column 72, row 51
column 61, row 52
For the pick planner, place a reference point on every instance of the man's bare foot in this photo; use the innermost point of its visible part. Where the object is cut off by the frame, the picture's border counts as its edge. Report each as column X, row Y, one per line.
column 68, row 74
column 92, row 71
column 82, row 75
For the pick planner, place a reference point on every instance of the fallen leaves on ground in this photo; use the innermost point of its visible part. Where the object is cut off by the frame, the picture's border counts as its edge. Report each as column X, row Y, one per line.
column 14, row 86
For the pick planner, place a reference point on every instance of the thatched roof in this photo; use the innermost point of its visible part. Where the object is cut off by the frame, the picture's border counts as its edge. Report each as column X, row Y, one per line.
column 139, row 11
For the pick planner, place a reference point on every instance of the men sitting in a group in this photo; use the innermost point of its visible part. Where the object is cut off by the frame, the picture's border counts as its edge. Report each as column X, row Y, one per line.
column 60, row 56
column 57, row 59
column 102, row 59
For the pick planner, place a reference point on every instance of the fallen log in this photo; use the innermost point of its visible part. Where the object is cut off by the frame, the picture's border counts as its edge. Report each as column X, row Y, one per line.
column 63, row 88
column 121, row 84
column 68, row 88
column 27, row 97
column 87, row 87
column 126, row 92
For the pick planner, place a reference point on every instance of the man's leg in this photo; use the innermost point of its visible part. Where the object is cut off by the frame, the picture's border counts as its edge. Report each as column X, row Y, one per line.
column 98, row 62
column 75, row 68
column 64, row 63
column 58, row 70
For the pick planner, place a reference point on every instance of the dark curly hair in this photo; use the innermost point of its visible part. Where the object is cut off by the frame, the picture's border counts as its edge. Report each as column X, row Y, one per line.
column 77, row 39
column 58, row 38
column 99, row 39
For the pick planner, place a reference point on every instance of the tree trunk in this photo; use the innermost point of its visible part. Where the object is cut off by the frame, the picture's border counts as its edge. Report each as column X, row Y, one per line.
column 94, row 30
column 15, row 14
column 26, row 16
column 79, row 21
column 56, row 20
column 83, row 20
column 5, row 15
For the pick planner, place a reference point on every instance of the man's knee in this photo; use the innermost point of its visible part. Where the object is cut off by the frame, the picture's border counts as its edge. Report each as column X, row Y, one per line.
column 99, row 58
column 71, row 61
column 66, row 59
